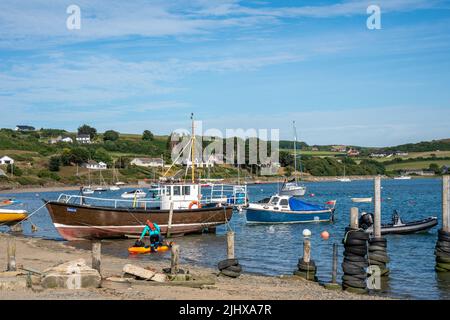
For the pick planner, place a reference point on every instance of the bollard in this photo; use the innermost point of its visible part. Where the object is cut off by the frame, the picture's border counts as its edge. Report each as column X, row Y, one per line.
column 169, row 223
column 230, row 245
column 306, row 266
column 354, row 216
column 442, row 249
column 11, row 255
column 378, row 257
column 174, row 259
column 333, row 285
column 97, row 255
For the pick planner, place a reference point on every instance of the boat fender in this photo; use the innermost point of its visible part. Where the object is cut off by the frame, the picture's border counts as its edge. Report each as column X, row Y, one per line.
column 195, row 202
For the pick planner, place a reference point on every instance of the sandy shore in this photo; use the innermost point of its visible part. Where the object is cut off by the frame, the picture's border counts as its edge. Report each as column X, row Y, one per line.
column 40, row 254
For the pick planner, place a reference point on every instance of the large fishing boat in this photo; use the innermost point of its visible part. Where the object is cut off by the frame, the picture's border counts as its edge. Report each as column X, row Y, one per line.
column 181, row 207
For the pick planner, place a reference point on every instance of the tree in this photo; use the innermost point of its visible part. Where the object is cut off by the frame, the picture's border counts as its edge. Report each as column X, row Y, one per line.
column 85, row 129
column 15, row 170
column 54, row 163
column 79, row 155
column 147, row 135
column 103, row 156
column 110, row 135
column 435, row 167
column 288, row 171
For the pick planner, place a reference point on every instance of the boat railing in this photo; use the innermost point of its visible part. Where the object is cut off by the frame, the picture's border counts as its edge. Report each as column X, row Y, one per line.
column 234, row 194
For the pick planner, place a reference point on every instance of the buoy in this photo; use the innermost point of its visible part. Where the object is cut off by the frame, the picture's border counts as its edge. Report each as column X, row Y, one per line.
column 306, row 233
column 312, row 195
column 325, row 235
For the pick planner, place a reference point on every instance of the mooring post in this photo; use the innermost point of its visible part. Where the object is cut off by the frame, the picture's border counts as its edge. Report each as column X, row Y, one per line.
column 306, row 250
column 169, row 223
column 335, row 264
column 96, row 255
column 230, row 245
column 11, row 255
column 354, row 216
column 174, row 259
column 445, row 203
column 377, row 209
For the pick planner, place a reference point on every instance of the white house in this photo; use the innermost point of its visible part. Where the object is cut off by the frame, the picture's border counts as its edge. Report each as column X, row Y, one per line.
column 6, row 160
column 94, row 165
column 60, row 139
column 67, row 140
column 147, row 162
column 83, row 138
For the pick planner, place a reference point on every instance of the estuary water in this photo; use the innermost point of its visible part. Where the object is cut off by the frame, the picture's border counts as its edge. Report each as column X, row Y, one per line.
column 275, row 250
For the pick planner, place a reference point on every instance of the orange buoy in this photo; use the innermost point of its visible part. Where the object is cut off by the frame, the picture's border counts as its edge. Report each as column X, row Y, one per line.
column 325, row 235
column 195, row 202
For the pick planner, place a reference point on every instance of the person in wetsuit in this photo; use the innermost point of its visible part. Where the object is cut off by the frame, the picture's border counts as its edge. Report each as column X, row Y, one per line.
column 154, row 233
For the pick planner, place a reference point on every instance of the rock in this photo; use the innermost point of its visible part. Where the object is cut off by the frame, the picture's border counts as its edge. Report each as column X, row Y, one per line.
column 71, row 275
column 138, row 272
column 13, row 283
column 159, row 277
column 11, row 274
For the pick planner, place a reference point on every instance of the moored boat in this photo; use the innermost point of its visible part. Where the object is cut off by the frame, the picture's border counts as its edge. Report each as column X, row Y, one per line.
column 286, row 209
column 138, row 193
column 361, row 200
column 12, row 216
column 397, row 226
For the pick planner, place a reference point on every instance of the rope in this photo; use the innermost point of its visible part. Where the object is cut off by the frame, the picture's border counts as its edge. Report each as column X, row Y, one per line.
column 29, row 216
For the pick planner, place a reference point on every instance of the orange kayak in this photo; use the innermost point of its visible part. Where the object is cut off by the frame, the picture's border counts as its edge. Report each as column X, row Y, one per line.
column 8, row 217
column 147, row 249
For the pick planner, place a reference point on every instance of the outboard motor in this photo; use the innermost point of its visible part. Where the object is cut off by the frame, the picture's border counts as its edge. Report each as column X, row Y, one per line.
column 366, row 220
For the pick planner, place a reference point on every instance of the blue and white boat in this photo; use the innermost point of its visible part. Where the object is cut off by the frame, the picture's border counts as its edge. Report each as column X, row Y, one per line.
column 287, row 209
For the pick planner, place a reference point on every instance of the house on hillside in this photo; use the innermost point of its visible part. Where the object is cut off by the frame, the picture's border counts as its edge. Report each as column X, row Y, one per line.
column 401, row 153
column 314, row 149
column 60, row 139
column 352, row 152
column 148, row 162
column 417, row 172
column 338, row 148
column 6, row 160
column 94, row 165
column 21, row 128
column 83, row 138
column 378, row 155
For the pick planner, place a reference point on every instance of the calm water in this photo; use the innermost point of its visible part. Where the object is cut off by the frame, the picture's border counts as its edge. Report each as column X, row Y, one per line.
column 275, row 250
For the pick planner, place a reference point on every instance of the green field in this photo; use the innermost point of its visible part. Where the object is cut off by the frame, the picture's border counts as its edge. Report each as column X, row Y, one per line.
column 416, row 165
column 315, row 153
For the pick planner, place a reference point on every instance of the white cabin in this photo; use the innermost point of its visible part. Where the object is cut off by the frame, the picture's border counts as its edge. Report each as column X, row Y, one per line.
column 6, row 160
column 182, row 196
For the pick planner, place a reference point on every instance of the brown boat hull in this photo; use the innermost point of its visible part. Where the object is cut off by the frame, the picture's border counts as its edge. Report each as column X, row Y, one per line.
column 76, row 222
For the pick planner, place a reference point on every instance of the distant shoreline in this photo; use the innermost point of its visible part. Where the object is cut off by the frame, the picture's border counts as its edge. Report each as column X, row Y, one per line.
column 35, row 189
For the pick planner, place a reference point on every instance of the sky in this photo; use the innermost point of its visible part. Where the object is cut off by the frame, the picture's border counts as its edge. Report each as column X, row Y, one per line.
column 137, row 65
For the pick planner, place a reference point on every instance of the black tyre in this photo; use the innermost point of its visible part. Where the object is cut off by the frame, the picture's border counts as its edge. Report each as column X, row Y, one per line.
column 356, row 250
column 378, row 257
column 305, row 267
column 376, row 263
column 354, row 242
column 227, row 263
column 237, row 268
column 441, row 265
column 378, row 241
column 352, row 270
column 443, row 249
column 443, row 244
column 360, row 235
column 356, row 284
column 354, row 258
column 230, row 273
column 355, row 277
column 442, row 259
column 364, row 264
column 373, row 248
column 439, row 253
column 443, row 233
column 310, row 263
column 306, row 275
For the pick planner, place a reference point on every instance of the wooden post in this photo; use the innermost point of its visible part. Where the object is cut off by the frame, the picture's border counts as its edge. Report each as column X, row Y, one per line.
column 96, row 255
column 11, row 255
column 174, row 259
column 169, row 223
column 354, row 216
column 306, row 250
column 445, row 203
column 230, row 244
column 377, row 211
column 335, row 264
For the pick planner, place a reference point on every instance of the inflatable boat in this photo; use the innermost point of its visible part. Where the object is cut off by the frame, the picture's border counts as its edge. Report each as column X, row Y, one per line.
column 397, row 226
column 146, row 249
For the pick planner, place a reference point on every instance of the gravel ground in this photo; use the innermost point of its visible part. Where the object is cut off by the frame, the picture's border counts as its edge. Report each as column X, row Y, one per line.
column 40, row 254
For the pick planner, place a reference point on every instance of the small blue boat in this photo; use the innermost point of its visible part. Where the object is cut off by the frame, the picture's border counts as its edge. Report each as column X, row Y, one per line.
column 286, row 209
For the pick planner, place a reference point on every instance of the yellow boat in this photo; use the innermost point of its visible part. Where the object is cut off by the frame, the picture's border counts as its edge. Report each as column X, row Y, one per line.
column 136, row 250
column 10, row 216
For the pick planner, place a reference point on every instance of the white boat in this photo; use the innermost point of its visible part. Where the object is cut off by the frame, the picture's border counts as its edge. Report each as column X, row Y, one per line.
column 294, row 188
column 102, row 187
column 402, row 178
column 361, row 200
column 120, row 183
column 87, row 190
column 138, row 193
column 114, row 188
column 344, row 178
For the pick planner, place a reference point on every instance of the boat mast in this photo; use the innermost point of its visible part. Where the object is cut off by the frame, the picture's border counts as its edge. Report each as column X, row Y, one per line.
column 295, row 150
column 193, row 149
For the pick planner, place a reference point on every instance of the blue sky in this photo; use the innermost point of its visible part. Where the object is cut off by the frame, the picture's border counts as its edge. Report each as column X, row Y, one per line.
column 137, row 65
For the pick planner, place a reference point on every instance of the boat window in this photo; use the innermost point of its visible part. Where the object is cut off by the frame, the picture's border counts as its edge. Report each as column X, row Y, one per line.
column 176, row 190
column 283, row 202
column 274, row 200
column 186, row 190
